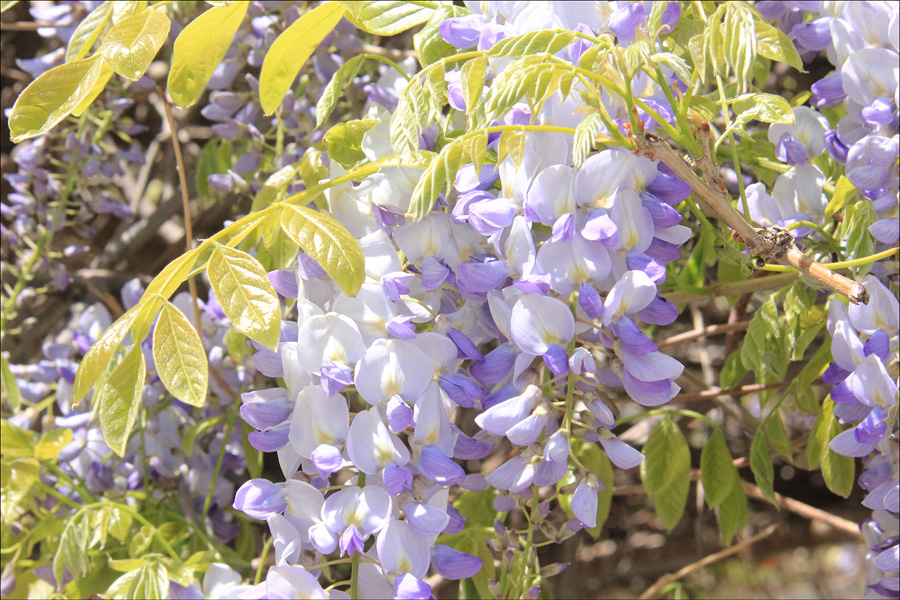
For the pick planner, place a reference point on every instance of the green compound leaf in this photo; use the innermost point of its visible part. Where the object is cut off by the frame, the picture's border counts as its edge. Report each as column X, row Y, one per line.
column 666, row 471
column 132, row 43
column 53, row 96
column 441, row 172
column 18, row 476
column 52, row 443
column 120, row 399
column 472, row 77
column 88, row 31
column 329, row 244
column 774, row 44
column 94, row 362
column 10, row 387
column 386, row 18
column 332, row 92
column 180, row 357
column 246, row 294
column 844, row 194
column 429, row 44
column 733, row 513
column 344, row 141
column 151, row 580
column 73, row 546
column 291, row 49
column 761, row 465
column 719, row 475
column 534, row 42
column 411, row 113
column 768, row 108
column 199, row 49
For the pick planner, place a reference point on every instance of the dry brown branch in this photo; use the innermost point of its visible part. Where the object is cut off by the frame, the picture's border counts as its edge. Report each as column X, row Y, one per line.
column 768, row 243
column 806, row 511
column 665, row 580
column 708, row 331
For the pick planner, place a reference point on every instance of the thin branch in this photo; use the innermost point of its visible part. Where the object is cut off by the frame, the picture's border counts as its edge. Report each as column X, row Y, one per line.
column 734, row 288
column 806, row 511
column 703, row 332
column 665, row 580
column 738, row 391
column 774, row 243
column 185, row 202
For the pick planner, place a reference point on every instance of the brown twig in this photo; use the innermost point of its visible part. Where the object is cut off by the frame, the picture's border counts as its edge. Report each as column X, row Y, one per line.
column 185, row 202
column 665, row 580
column 738, row 391
column 806, row 511
column 735, row 288
column 708, row 331
column 768, row 243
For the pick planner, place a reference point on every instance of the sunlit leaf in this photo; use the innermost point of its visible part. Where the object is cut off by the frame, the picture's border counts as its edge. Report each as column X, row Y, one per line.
column 104, row 74
column 344, row 141
column 16, row 442
column 291, row 49
column 332, row 92
column 51, row 97
column 71, row 553
column 844, row 193
column 120, row 399
column 52, row 443
column 10, row 387
column 97, row 357
column 274, row 185
column 440, row 174
column 386, row 18
column 429, row 43
column 533, row 42
column 132, row 43
column 199, row 49
column 88, row 31
column 328, row 243
column 776, row 45
column 246, row 294
column 180, row 357
column 151, row 580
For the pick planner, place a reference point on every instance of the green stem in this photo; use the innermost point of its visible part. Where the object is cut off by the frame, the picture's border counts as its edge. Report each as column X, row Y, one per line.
column 734, row 153
column 389, row 62
column 840, row 265
column 262, row 560
column 85, row 495
column 232, row 417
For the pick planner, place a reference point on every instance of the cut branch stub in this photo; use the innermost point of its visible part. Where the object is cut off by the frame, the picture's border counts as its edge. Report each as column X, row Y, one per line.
column 768, row 243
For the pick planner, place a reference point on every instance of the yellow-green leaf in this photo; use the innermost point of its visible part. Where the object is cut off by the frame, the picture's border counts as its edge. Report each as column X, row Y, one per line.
column 180, row 357
column 291, row 49
column 88, row 31
column 96, row 359
column 172, row 276
column 133, row 42
column 329, row 244
column 844, row 193
column 7, row 4
column 246, row 294
column 18, row 477
column 10, row 387
column 52, row 443
column 774, row 44
column 386, row 18
column 199, row 49
column 51, row 97
column 15, row 441
column 120, row 399
column 103, row 75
